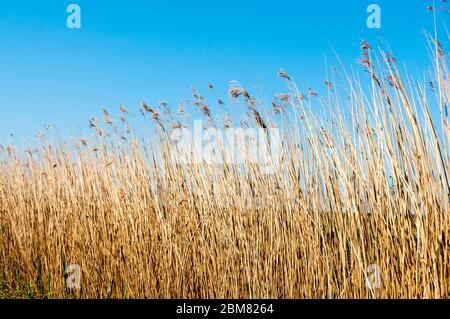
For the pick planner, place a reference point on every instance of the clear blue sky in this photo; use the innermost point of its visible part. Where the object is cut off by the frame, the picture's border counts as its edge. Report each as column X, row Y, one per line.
column 132, row 51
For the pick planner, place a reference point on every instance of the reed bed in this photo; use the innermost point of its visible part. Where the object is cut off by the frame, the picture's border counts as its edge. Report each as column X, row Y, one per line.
column 363, row 180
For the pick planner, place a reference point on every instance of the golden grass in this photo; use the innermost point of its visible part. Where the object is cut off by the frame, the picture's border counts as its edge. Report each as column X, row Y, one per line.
column 364, row 183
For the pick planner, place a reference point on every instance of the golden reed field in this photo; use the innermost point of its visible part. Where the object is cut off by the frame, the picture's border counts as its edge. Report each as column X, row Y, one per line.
column 357, row 207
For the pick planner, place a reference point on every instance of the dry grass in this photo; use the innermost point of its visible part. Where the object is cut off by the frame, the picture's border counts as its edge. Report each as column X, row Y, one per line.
column 366, row 182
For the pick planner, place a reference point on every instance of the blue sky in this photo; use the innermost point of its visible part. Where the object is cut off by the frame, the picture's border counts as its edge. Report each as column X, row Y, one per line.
column 132, row 51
